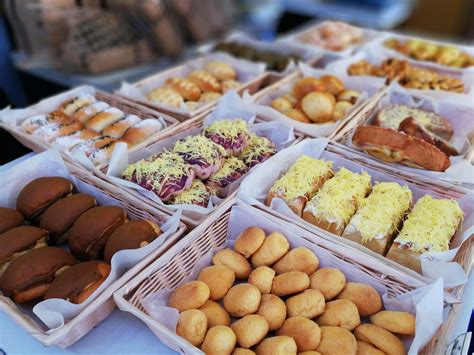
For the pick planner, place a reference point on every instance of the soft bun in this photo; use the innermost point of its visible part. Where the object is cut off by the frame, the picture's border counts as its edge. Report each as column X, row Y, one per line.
column 306, row 333
column 297, row 259
column 189, row 295
column 380, row 338
column 192, row 326
column 262, row 277
column 219, row 279
column 242, row 351
column 117, row 129
column 273, row 309
column 340, row 313
column 365, row 297
column 141, row 131
column 395, row 322
column 249, row 241
column 364, row 348
column 279, row 345
column 242, row 299
column 10, row 218
column 215, row 313
column 250, row 330
column 234, row 261
column 219, row 340
column 290, row 282
column 329, row 281
column 336, row 341
column 102, row 119
column 272, row 249
column 309, row 304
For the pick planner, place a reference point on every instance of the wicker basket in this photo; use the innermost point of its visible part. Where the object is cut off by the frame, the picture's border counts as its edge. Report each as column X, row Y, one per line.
column 103, row 305
column 176, row 265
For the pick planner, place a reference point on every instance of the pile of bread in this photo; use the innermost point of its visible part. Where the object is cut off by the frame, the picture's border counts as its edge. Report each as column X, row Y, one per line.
column 333, row 35
column 263, row 297
column 48, row 214
column 314, row 100
column 199, row 87
column 84, row 124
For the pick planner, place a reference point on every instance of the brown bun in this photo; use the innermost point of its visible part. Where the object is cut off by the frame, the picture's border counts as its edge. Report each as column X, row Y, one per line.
column 101, row 120
column 306, row 333
column 141, row 131
column 10, row 218
column 380, row 338
column 242, row 299
column 249, row 241
column 311, row 352
column 221, row 70
column 395, row 322
column 234, row 261
column 273, row 309
column 289, row 283
column 250, row 330
column 332, row 84
column 242, row 351
column 297, row 259
column 364, row 348
column 309, row 304
column 219, row 340
column 219, row 279
column 262, row 278
column 189, row 295
column 37, row 195
column 304, row 86
column 60, row 216
column 131, row 235
column 205, row 81
column 350, row 96
column 318, row 106
column 187, row 89
column 272, row 249
column 117, row 129
column 365, row 297
column 281, row 104
column 78, row 282
column 89, row 234
column 192, row 326
column 279, row 345
column 297, row 115
column 340, row 313
column 70, row 106
column 336, row 341
column 30, row 275
column 215, row 313
column 329, row 281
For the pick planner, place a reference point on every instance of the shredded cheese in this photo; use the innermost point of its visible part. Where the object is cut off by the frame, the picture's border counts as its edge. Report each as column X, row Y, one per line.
column 199, row 147
column 257, row 148
column 230, row 166
column 197, row 194
column 228, row 128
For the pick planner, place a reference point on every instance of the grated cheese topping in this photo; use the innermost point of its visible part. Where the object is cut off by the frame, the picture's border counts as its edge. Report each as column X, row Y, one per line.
column 228, row 128
column 257, row 148
column 197, row 194
column 200, row 147
column 230, row 166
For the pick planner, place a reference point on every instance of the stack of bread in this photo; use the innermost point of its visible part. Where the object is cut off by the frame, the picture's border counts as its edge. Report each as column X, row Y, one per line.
column 34, row 260
column 264, row 297
column 379, row 217
column 84, row 124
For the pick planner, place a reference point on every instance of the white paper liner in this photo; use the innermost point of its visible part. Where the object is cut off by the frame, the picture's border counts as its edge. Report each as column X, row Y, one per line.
column 56, row 312
column 255, row 186
column 246, row 72
column 231, row 106
column 459, row 115
column 264, row 108
column 426, row 302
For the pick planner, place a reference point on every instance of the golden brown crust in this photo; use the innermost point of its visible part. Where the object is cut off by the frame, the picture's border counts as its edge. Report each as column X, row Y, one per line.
column 215, row 313
column 189, row 295
column 289, row 283
column 378, row 246
column 273, row 309
column 205, row 81
column 272, row 249
column 365, row 297
column 306, row 333
column 405, row 257
column 395, row 321
column 186, row 88
column 336, row 341
column 380, row 338
column 329, row 281
column 234, row 261
column 218, row 278
column 250, row 330
column 10, row 218
column 330, row 227
column 297, row 259
column 249, row 241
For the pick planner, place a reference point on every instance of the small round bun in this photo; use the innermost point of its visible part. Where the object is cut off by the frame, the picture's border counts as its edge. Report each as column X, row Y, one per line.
column 242, row 299
column 332, row 84
column 380, row 338
column 305, row 332
column 262, row 277
column 190, row 295
column 242, row 351
column 289, row 283
column 364, row 348
column 10, row 218
column 329, row 281
column 219, row 340
column 215, row 313
column 336, row 341
column 309, row 304
column 192, row 326
column 311, row 352
column 318, row 106
column 234, row 261
column 273, row 309
column 340, row 313
column 219, row 279
column 272, row 249
column 249, row 241
column 304, row 86
column 395, row 322
column 279, row 345
column 365, row 297
column 250, row 330
column 297, row 259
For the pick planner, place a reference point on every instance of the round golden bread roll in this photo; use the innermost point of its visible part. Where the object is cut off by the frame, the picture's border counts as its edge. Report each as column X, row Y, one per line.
column 337, row 341
column 242, row 299
column 380, row 338
column 262, row 277
column 395, row 322
column 242, row 351
column 234, row 261
column 304, row 86
column 332, row 84
column 289, row 283
column 189, row 295
column 365, row 297
column 218, row 278
column 318, row 106
column 250, row 330
column 192, row 326
column 309, row 304
column 297, row 259
column 311, row 352
column 272, row 249
column 273, row 309
column 249, row 241
column 219, row 340
column 340, row 313
column 279, row 345
column 329, row 281
column 281, row 104
column 297, row 115
column 348, row 95
column 215, row 313
column 364, row 348
column 340, row 110
column 305, row 332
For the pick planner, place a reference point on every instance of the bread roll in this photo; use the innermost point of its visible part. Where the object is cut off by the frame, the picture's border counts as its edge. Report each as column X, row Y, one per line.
column 33, row 123
column 219, row 279
column 304, row 86
column 340, row 110
column 311, row 352
column 279, row 345
column 273, row 309
column 234, row 261
column 364, row 348
column 70, row 106
column 309, row 304
column 189, row 295
column 219, row 340
column 99, row 121
column 205, row 81
column 86, row 112
column 117, row 129
column 329, row 281
column 192, row 326
column 166, row 96
column 380, row 338
column 242, row 299
column 221, row 70
column 209, row 97
column 76, row 138
column 10, row 218
column 272, row 249
column 141, row 131
column 249, row 241
column 289, row 283
column 262, row 277
column 250, row 330
column 306, row 333
column 53, row 131
column 281, row 104
column 186, row 88
column 318, row 106
column 365, row 297
column 242, row 351
column 340, row 313
column 215, row 313
column 332, row 84
column 297, row 115
column 336, row 341
column 98, row 156
column 297, row 259
column 395, row 322
column 90, row 146
column 349, row 96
